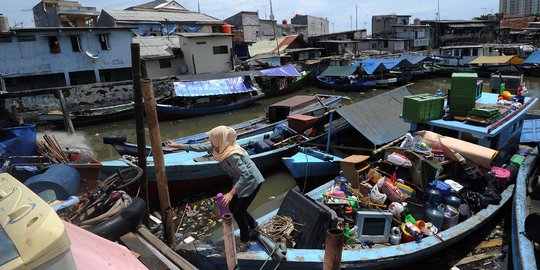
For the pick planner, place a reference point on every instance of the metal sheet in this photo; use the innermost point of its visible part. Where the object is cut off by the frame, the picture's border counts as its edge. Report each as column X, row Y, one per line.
column 342, row 71
column 378, row 118
column 534, row 58
column 295, row 101
column 285, row 71
column 530, row 131
column 155, row 16
column 509, row 59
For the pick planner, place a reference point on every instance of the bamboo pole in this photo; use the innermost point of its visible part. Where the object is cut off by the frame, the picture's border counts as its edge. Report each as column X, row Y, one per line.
column 228, row 238
column 332, row 249
column 65, row 112
column 139, row 125
column 159, row 162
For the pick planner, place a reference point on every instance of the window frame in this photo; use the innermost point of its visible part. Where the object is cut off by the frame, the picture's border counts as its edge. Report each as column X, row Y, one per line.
column 165, row 63
column 76, row 40
column 54, row 44
column 103, row 40
column 222, row 49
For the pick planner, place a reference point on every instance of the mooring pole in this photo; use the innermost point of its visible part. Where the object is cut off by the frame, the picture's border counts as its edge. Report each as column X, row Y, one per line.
column 65, row 112
column 332, row 249
column 228, row 238
column 159, row 161
column 139, row 125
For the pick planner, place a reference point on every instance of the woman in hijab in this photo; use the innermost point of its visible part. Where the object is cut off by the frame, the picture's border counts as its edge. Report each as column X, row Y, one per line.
column 246, row 176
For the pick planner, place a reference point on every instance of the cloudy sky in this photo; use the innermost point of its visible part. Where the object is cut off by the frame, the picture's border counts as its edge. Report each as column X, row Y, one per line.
column 342, row 14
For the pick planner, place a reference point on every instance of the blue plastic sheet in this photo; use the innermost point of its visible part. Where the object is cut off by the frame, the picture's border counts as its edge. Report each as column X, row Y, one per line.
column 192, row 28
column 534, row 58
column 212, row 87
column 17, row 140
column 285, row 71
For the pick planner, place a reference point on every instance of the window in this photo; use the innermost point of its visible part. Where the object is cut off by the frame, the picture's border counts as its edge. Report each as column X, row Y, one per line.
column 220, row 50
column 386, row 44
column 104, row 41
column 26, row 38
column 466, row 52
column 54, row 44
column 75, row 43
column 165, row 63
column 5, row 39
column 200, row 42
column 475, row 52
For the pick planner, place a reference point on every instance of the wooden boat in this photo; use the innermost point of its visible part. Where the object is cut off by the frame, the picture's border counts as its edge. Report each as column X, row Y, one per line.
column 277, row 114
column 523, row 205
column 278, row 86
column 196, row 98
column 91, row 116
column 337, row 78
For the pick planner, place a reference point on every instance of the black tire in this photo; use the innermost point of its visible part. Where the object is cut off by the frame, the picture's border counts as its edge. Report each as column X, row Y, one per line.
column 125, row 177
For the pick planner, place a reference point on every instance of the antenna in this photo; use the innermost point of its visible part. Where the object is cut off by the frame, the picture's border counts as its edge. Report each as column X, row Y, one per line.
column 199, row 6
column 438, row 11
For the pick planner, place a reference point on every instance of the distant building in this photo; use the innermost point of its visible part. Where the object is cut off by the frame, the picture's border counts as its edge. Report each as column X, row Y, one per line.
column 57, row 13
column 523, row 7
column 338, row 42
column 159, row 5
column 160, row 23
column 33, row 58
column 315, row 26
column 420, row 37
column 455, row 32
column 207, row 52
column 383, row 25
column 161, row 56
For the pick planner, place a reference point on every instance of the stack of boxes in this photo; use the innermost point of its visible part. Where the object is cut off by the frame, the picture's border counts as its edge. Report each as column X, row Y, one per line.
column 423, row 107
column 463, row 94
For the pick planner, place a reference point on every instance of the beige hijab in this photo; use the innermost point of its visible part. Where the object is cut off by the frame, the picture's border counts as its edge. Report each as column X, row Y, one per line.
column 223, row 140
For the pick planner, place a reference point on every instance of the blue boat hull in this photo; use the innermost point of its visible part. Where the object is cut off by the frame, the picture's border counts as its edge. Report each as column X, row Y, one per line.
column 303, row 165
column 348, row 87
column 175, row 112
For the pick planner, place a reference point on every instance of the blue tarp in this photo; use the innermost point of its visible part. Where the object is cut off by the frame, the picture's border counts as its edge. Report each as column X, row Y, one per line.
column 212, row 87
column 169, row 29
column 192, row 28
column 415, row 59
column 372, row 65
column 17, row 140
column 285, row 71
column 144, row 29
column 534, row 58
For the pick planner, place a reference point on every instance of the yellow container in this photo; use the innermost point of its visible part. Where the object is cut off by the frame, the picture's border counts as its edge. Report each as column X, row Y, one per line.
column 33, row 231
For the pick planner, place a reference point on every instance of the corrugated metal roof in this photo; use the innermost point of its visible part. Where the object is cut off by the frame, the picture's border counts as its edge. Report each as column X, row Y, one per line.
column 509, row 59
column 467, row 25
column 271, row 45
column 156, row 16
column 156, row 47
column 342, row 71
column 534, row 58
column 378, row 118
column 294, row 102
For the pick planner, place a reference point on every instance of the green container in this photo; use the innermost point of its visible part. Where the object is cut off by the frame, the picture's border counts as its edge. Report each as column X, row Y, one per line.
column 485, row 111
column 464, row 84
column 423, row 107
column 517, row 159
column 461, row 105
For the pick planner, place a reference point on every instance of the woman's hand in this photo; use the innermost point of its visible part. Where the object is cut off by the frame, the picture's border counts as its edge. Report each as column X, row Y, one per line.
column 172, row 144
column 227, row 199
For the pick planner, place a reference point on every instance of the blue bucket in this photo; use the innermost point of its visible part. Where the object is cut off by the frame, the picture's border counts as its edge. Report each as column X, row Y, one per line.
column 57, row 183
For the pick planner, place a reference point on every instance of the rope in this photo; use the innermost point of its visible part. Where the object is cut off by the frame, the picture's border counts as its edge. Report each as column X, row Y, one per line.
column 118, row 206
column 278, row 227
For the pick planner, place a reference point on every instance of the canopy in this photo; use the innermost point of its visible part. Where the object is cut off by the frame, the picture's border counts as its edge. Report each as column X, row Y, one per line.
column 342, row 71
column 378, row 118
column 285, row 71
column 415, row 59
column 371, row 65
column 212, row 87
column 510, row 59
column 534, row 58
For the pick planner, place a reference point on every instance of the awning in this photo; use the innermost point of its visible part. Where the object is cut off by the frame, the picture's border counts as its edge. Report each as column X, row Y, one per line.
column 371, row 67
column 510, row 59
column 378, row 118
column 285, row 71
column 534, row 58
column 212, row 87
column 390, row 63
column 415, row 59
column 342, row 71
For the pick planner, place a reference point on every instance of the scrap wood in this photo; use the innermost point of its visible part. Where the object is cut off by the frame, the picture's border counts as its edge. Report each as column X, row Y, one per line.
column 478, row 257
column 496, row 242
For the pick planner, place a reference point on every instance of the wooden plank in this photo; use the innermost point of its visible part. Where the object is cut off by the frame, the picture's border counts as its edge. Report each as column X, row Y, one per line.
column 167, row 251
column 496, row 242
column 146, row 256
column 37, row 92
column 478, row 257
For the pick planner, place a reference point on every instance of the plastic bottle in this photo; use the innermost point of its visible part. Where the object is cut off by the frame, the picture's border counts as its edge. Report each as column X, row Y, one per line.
column 222, row 209
column 341, row 181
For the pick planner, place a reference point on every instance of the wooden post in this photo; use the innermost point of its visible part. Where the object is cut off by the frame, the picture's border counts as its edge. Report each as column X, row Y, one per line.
column 139, row 125
column 159, row 162
column 332, row 249
column 228, row 238
column 65, row 112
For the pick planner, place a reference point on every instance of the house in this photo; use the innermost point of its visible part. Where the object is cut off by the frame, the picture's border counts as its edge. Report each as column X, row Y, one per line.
column 160, row 23
column 356, row 47
column 207, row 52
column 161, row 56
column 159, row 5
column 338, row 43
column 277, row 46
column 57, row 13
column 33, row 58
column 450, row 32
column 383, row 25
column 315, row 26
column 420, row 37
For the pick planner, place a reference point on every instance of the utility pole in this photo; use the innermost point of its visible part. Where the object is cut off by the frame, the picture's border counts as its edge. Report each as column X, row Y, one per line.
column 356, row 6
column 333, row 28
column 350, row 17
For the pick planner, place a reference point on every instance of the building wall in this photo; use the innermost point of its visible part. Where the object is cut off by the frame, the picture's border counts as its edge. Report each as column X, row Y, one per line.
column 30, row 58
column 153, row 69
column 315, row 26
column 202, row 54
column 382, row 25
column 44, row 18
column 419, row 37
column 523, row 7
column 250, row 26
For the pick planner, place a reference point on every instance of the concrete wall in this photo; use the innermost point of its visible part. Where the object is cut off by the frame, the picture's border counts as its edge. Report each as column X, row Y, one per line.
column 44, row 18
column 178, row 66
column 85, row 96
column 200, row 58
column 250, row 26
column 29, row 58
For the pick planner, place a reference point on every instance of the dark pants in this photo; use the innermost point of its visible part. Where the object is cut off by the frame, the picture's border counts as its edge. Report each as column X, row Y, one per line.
column 238, row 207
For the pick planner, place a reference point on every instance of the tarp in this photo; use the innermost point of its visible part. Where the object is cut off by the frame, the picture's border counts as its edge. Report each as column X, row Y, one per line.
column 192, row 28
column 390, row 63
column 372, row 67
column 378, row 118
column 342, row 71
column 509, row 59
column 212, row 87
column 534, row 58
column 285, row 71
column 17, row 140
column 415, row 59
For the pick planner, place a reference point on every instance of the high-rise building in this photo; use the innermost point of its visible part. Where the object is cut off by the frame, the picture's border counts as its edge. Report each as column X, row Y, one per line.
column 522, row 7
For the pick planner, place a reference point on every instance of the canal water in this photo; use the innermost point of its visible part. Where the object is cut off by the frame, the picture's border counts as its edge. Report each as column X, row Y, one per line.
column 279, row 181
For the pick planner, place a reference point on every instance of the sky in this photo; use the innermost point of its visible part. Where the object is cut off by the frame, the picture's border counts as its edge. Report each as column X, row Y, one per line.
column 343, row 15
